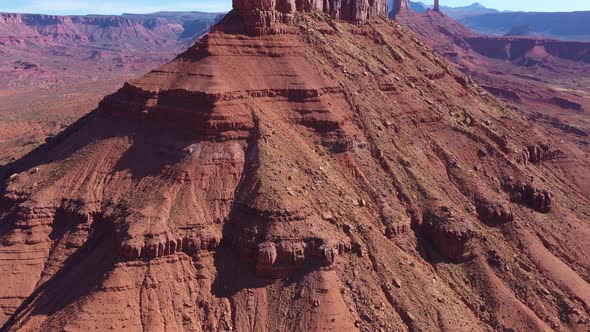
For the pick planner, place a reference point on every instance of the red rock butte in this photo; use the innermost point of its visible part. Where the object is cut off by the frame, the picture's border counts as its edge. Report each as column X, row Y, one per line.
column 295, row 171
column 264, row 16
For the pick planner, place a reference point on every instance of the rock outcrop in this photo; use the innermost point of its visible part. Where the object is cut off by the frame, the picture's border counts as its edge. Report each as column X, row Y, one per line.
column 493, row 213
column 566, row 104
column 263, row 17
column 515, row 48
column 538, row 199
column 436, row 7
column 452, row 235
column 135, row 30
column 399, row 6
column 538, row 153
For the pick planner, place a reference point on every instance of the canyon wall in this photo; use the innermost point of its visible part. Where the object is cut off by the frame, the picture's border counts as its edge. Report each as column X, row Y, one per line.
column 15, row 29
column 513, row 48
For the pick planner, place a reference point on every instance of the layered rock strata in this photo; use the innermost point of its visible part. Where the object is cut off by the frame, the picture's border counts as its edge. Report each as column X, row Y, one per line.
column 263, row 17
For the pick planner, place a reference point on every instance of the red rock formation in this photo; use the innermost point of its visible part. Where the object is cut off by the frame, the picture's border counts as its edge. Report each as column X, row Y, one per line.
column 519, row 70
column 451, row 234
column 511, row 48
column 493, row 213
column 262, row 17
column 135, row 30
column 538, row 153
column 541, row 200
column 399, row 6
column 282, row 181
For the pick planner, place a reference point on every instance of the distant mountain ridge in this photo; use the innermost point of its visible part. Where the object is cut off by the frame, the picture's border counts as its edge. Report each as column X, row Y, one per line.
column 555, row 25
column 563, row 25
column 474, row 9
column 140, row 30
column 454, row 12
column 60, row 50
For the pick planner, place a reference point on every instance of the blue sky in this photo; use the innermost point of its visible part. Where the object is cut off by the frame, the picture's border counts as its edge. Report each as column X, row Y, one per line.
column 145, row 6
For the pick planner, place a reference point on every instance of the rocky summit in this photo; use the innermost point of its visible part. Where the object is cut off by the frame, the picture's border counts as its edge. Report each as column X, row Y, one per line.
column 306, row 166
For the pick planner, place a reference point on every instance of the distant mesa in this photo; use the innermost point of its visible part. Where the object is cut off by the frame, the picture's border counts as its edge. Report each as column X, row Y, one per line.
column 564, row 25
column 522, row 30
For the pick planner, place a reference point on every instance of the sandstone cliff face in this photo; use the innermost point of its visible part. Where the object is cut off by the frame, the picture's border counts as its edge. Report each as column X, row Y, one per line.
column 511, row 48
column 267, row 16
column 350, row 10
column 321, row 177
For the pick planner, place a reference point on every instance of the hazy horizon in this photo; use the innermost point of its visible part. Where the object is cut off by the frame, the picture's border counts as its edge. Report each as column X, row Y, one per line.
column 114, row 7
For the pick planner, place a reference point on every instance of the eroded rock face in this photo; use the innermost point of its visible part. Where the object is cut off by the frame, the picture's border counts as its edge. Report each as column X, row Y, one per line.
column 451, row 234
column 266, row 16
column 249, row 157
column 281, row 259
column 493, row 213
column 538, row 199
column 350, row 10
column 538, row 153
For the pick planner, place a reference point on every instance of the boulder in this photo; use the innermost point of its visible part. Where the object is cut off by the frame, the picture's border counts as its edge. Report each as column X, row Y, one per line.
column 450, row 234
column 493, row 213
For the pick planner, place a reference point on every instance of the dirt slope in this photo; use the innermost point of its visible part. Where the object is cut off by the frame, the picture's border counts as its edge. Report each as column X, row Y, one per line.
column 312, row 175
column 547, row 80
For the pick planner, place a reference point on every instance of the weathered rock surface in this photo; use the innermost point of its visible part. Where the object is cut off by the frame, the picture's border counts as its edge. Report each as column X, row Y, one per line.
column 538, row 153
column 538, row 199
column 263, row 17
column 452, row 235
column 493, row 213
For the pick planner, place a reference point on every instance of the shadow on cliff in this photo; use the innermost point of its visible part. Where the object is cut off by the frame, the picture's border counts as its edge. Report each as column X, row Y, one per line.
column 234, row 273
column 157, row 140
column 81, row 274
column 236, row 268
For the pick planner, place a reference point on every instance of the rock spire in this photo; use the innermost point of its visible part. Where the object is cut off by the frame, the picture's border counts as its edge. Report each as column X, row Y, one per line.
column 400, row 5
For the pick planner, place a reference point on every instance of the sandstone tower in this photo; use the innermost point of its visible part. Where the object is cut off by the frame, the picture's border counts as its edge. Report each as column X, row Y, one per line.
column 400, row 5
